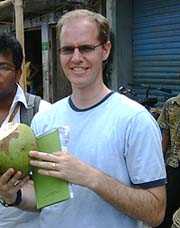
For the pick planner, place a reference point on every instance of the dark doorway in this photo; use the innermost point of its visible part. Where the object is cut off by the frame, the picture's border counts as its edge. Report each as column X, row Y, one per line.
column 33, row 54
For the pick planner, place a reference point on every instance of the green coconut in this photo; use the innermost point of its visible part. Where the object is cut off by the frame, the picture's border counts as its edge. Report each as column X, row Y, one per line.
column 16, row 140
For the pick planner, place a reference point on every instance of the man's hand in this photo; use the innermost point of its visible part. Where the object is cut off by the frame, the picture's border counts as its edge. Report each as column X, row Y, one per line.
column 10, row 182
column 62, row 165
column 147, row 205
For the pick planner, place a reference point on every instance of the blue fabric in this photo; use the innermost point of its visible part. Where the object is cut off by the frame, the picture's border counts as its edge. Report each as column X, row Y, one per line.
column 118, row 137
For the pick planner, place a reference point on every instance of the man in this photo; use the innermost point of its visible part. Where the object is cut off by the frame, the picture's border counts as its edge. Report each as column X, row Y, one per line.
column 15, row 106
column 169, row 122
column 115, row 162
column 176, row 219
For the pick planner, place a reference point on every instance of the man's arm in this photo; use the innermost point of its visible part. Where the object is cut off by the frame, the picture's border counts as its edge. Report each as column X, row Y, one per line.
column 28, row 197
column 10, row 183
column 163, row 122
column 147, row 205
column 165, row 139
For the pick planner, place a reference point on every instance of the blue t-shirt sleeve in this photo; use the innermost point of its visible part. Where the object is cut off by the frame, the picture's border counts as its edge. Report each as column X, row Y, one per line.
column 144, row 156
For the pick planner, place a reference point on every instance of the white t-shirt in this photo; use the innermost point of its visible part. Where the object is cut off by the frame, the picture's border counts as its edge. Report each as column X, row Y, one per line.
column 117, row 136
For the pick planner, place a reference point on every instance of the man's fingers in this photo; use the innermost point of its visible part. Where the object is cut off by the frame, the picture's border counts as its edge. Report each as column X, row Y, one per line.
column 15, row 180
column 6, row 176
column 43, row 156
column 49, row 173
column 19, row 184
column 45, row 165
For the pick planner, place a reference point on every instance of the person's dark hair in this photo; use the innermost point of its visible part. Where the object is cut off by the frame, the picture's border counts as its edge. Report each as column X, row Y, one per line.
column 10, row 45
column 102, row 23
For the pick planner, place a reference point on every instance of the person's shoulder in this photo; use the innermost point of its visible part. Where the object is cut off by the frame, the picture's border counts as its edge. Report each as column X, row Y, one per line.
column 61, row 101
column 59, row 105
column 128, row 110
column 44, row 105
column 126, row 104
column 173, row 100
column 48, row 109
column 176, row 99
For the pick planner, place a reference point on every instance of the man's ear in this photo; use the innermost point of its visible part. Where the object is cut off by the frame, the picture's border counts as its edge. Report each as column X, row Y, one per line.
column 106, row 50
column 18, row 75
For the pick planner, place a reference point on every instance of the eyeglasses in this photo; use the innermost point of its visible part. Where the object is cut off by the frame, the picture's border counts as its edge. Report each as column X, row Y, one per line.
column 83, row 49
column 6, row 67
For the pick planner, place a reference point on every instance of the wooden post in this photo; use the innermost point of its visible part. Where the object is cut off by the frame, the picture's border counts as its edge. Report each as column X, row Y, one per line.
column 111, row 15
column 45, row 61
column 5, row 3
column 19, row 21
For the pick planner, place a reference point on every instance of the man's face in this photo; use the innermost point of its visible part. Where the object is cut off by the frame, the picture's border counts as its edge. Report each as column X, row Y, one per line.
column 82, row 54
column 9, row 76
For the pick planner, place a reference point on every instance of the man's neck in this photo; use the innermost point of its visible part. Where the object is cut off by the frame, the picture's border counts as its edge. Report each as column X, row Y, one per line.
column 6, row 101
column 84, row 99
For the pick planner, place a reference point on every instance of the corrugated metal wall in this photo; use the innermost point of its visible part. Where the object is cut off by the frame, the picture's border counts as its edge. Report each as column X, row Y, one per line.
column 156, row 44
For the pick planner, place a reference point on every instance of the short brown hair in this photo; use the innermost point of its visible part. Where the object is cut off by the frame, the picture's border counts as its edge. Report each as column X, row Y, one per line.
column 102, row 23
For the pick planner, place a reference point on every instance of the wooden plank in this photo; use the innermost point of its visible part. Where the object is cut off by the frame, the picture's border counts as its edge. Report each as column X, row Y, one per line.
column 45, row 60
column 5, row 3
column 19, row 21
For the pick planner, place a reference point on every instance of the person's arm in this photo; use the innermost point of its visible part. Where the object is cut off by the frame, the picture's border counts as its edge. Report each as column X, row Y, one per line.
column 10, row 183
column 147, row 205
column 28, row 197
column 164, row 124
column 165, row 139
